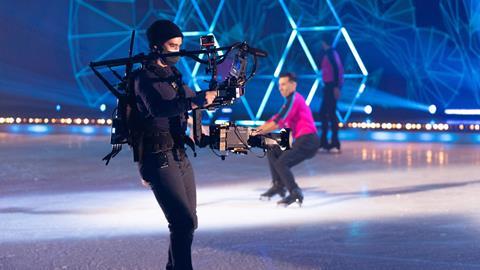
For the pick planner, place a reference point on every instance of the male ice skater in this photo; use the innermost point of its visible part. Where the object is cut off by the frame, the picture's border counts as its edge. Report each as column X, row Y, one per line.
column 162, row 102
column 296, row 115
column 332, row 75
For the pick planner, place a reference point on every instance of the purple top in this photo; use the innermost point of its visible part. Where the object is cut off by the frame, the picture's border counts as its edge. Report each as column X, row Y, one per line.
column 295, row 114
column 332, row 68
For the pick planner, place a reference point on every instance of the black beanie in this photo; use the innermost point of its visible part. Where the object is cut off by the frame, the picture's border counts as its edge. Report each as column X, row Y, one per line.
column 162, row 30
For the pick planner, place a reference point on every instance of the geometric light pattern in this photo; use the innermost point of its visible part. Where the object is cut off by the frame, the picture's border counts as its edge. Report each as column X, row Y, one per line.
column 435, row 64
column 462, row 21
column 101, row 30
column 296, row 33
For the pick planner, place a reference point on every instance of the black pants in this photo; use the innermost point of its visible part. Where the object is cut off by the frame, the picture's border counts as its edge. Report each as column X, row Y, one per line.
column 171, row 177
column 328, row 116
column 304, row 147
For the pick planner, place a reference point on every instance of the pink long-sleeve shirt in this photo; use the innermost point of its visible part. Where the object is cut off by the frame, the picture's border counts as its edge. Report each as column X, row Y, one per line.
column 296, row 115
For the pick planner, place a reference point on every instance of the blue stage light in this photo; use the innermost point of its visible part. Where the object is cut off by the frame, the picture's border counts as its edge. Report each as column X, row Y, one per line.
column 354, row 51
column 249, row 123
column 58, row 107
column 103, row 107
column 432, row 109
column 227, row 110
column 88, row 130
column 38, row 129
column 462, row 111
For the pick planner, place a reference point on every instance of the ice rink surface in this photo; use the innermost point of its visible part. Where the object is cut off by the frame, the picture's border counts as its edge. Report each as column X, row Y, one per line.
column 374, row 206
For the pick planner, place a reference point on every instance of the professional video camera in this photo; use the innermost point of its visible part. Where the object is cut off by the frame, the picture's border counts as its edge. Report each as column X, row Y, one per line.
column 228, row 137
column 223, row 138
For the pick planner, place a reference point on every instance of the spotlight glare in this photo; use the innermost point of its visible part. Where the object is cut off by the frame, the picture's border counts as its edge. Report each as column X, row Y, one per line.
column 103, row 107
column 368, row 109
column 432, row 109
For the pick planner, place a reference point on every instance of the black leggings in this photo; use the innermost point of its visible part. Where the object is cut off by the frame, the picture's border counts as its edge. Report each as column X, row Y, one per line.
column 328, row 115
column 304, row 147
column 171, row 177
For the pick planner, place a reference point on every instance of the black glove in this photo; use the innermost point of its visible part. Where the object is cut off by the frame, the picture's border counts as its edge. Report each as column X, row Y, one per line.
column 255, row 141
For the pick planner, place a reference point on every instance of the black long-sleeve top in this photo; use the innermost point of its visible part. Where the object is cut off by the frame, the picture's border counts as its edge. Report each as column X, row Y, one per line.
column 162, row 99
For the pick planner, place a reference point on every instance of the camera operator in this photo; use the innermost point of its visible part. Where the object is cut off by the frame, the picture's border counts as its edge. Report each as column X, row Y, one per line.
column 296, row 115
column 162, row 102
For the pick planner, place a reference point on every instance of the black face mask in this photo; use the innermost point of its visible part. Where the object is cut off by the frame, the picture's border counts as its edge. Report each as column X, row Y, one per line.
column 170, row 60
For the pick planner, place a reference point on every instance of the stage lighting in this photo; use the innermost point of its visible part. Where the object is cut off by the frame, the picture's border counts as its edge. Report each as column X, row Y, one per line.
column 58, row 107
column 227, row 110
column 103, row 107
column 368, row 109
column 462, row 111
column 432, row 109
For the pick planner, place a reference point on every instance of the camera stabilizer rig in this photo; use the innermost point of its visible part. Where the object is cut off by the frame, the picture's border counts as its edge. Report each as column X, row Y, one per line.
column 224, row 138
column 229, row 137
